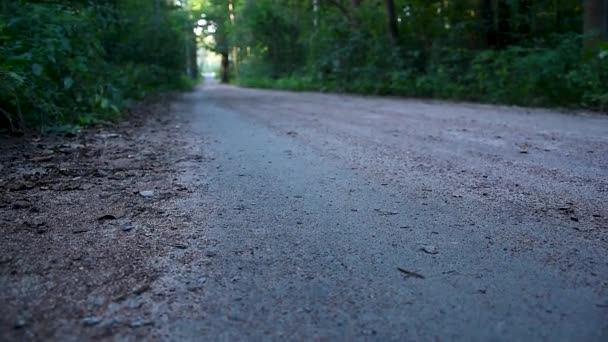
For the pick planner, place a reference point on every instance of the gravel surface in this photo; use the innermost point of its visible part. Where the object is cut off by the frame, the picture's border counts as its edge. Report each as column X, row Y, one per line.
column 331, row 217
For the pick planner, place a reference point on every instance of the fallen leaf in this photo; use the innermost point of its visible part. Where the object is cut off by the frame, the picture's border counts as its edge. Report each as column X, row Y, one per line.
column 139, row 324
column 78, row 231
column 386, row 212
column 147, row 193
column 411, row 274
column 107, row 135
column 91, row 321
column 106, row 217
column 429, row 249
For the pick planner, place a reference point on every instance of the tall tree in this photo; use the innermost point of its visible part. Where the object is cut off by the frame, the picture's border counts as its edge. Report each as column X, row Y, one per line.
column 221, row 16
column 487, row 22
column 391, row 21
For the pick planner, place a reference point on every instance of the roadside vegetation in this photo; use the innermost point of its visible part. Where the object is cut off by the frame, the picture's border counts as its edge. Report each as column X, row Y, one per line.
column 525, row 52
column 65, row 64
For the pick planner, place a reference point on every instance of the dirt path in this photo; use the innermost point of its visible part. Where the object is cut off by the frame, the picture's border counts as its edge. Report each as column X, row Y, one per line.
column 86, row 220
column 278, row 215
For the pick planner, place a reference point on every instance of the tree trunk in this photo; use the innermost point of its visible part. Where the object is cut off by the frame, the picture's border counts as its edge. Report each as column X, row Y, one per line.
column 315, row 10
column 487, row 27
column 187, row 33
column 157, row 13
column 225, row 78
column 391, row 21
column 194, row 67
column 595, row 22
column 354, row 16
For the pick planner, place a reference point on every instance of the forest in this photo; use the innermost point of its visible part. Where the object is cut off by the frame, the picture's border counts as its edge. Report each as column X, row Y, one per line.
column 81, row 62
column 524, row 52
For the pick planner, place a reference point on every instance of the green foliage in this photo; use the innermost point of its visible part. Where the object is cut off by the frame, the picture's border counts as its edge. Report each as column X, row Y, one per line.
column 267, row 30
column 84, row 62
column 517, row 75
column 501, row 51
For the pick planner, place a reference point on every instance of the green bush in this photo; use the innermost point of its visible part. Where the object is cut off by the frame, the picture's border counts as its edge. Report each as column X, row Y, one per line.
column 83, row 62
column 548, row 76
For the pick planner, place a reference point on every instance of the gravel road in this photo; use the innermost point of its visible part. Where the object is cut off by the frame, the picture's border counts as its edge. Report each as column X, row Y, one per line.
column 337, row 217
column 239, row 214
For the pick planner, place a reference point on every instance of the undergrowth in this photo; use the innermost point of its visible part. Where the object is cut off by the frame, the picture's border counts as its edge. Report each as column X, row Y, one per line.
column 65, row 64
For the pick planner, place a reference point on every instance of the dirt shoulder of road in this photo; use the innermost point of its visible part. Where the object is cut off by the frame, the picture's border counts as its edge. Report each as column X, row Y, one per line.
column 83, row 220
